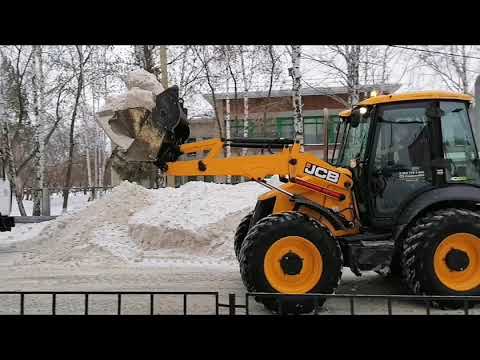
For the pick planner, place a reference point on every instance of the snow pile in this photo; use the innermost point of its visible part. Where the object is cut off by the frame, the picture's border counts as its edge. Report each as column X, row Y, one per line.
column 200, row 218
column 72, row 237
column 196, row 221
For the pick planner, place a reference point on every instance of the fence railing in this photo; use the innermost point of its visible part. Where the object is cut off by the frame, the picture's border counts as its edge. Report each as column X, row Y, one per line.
column 466, row 301
column 74, row 189
column 232, row 305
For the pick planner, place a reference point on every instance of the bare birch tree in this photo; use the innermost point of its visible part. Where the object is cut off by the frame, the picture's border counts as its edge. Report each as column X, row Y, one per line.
column 452, row 64
column 79, row 72
column 206, row 55
column 40, row 193
column 296, row 96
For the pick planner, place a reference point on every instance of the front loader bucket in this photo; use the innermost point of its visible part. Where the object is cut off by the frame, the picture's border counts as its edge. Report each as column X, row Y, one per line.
column 140, row 132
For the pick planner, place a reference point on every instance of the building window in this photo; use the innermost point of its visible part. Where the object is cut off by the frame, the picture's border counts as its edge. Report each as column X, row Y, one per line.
column 257, row 128
column 312, row 128
column 285, row 127
column 282, row 127
column 236, row 128
column 333, row 121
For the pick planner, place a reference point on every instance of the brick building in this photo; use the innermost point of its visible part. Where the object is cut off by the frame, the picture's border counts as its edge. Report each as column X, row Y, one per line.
column 272, row 116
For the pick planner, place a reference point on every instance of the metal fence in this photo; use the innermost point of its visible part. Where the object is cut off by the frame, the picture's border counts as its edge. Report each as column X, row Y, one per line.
column 232, row 305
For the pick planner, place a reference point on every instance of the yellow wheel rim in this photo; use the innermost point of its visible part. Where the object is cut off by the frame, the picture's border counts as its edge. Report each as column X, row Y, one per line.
column 465, row 277
column 307, row 275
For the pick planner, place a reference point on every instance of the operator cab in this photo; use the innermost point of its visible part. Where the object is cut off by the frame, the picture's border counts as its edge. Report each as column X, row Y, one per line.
column 398, row 146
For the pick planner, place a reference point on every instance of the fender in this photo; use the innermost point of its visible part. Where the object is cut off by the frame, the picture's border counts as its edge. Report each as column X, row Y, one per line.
column 461, row 193
column 265, row 207
column 337, row 220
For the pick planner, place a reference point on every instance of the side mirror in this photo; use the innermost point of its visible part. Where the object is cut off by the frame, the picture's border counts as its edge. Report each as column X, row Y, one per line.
column 355, row 118
column 357, row 115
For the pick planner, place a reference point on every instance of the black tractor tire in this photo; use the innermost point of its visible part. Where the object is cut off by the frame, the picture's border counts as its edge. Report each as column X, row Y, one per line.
column 264, row 234
column 418, row 249
column 241, row 233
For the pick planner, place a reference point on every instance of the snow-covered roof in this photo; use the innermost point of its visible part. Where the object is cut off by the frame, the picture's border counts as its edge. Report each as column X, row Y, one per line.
column 305, row 91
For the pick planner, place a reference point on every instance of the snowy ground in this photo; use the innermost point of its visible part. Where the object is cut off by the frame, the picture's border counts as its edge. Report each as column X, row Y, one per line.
column 76, row 201
column 151, row 240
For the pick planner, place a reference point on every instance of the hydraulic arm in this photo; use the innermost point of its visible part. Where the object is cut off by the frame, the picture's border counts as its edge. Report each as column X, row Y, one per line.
column 290, row 161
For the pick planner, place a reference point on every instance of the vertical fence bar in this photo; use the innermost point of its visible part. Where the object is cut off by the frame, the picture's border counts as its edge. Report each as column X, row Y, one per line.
column 184, row 304
column 119, row 304
column 465, row 306
column 22, row 304
column 315, row 305
column 280, row 305
column 151, row 303
column 389, row 305
column 428, row 307
column 86, row 303
column 216, row 303
column 54, row 303
column 231, row 304
column 352, row 306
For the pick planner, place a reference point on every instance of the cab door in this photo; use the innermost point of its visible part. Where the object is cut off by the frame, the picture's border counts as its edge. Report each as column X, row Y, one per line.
column 400, row 162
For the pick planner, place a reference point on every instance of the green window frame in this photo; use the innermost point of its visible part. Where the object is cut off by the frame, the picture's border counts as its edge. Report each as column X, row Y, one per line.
column 236, row 128
column 312, row 128
column 284, row 127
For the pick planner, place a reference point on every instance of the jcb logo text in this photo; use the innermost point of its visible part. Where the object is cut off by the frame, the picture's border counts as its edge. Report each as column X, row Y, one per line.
column 321, row 173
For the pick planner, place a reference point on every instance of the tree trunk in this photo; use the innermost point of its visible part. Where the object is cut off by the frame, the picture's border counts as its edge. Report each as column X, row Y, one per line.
column 353, row 60
column 40, row 193
column 87, row 153
column 297, row 99
column 11, row 167
column 95, row 158
column 68, row 178
column 227, row 127
column 43, row 169
column 161, row 179
column 87, row 160
column 212, row 88
column 37, row 197
column 163, row 65
column 464, row 70
column 245, row 100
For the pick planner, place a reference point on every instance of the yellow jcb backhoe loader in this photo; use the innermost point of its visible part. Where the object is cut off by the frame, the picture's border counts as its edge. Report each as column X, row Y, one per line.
column 403, row 196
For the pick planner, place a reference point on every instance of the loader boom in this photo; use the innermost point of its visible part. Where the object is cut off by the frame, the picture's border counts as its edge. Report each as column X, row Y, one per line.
column 291, row 162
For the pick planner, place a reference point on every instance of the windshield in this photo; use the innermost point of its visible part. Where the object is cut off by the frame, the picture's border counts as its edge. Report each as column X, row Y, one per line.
column 354, row 143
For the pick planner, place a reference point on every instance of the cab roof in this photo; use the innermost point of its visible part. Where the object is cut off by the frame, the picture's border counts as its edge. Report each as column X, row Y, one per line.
column 411, row 96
